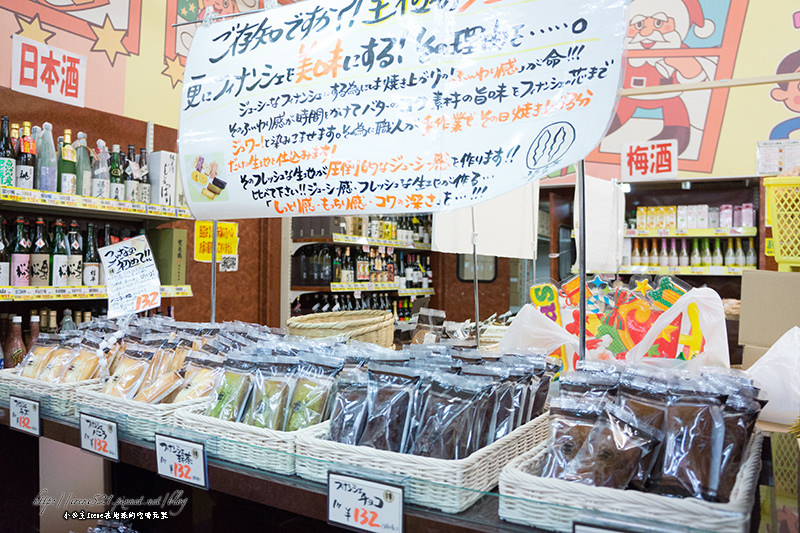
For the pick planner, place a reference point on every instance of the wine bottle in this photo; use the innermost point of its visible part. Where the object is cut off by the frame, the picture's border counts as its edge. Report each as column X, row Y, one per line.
column 673, row 254
column 83, row 166
column 75, row 258
column 101, row 177
column 132, row 176
column 730, row 255
column 8, row 156
column 145, row 186
column 663, row 257
column 67, row 166
column 40, row 256
column 5, row 256
column 59, row 259
column 91, row 258
column 26, row 159
column 696, row 259
column 117, row 185
column 750, row 259
column 46, row 161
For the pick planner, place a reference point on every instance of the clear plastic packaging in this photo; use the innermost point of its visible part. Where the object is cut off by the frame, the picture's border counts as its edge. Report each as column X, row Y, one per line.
column 59, row 361
column 311, row 391
column 739, row 414
column 272, row 383
column 610, row 454
column 88, row 363
column 39, row 355
column 590, row 385
column 128, row 374
column 200, row 379
column 390, row 403
column 571, row 421
column 349, row 409
column 231, row 392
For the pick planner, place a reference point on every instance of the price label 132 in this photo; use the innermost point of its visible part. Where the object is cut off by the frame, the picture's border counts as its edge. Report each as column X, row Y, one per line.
column 24, row 415
column 363, row 504
column 181, row 460
column 99, row 436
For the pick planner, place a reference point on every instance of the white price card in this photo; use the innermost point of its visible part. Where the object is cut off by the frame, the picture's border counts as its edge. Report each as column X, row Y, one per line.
column 364, row 505
column 99, row 436
column 181, row 460
column 24, row 415
column 132, row 280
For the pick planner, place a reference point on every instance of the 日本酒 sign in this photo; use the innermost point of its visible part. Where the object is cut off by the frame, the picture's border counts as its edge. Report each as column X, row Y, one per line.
column 342, row 107
column 650, row 161
column 46, row 71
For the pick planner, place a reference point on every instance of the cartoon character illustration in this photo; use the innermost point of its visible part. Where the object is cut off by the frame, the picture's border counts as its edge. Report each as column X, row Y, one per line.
column 657, row 25
column 787, row 92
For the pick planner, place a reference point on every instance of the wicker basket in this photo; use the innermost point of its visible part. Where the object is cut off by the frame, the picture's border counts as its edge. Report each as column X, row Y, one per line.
column 448, row 485
column 143, row 420
column 366, row 326
column 61, row 397
column 261, row 448
column 554, row 504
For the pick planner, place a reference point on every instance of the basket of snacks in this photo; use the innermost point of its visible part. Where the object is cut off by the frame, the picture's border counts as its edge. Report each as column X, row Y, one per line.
column 55, row 367
column 449, row 435
column 366, row 326
column 259, row 407
column 661, row 447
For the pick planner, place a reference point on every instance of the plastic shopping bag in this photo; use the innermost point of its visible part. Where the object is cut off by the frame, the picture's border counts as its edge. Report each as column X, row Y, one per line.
column 778, row 373
column 690, row 334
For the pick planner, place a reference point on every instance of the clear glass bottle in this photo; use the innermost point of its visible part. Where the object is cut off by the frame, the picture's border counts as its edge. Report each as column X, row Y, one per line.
column 730, row 255
column 67, row 166
column 741, row 261
column 750, row 258
column 706, row 253
column 663, row 257
column 673, row 254
column 101, row 176
column 46, row 161
column 83, row 166
column 696, row 259
column 716, row 258
column 67, row 324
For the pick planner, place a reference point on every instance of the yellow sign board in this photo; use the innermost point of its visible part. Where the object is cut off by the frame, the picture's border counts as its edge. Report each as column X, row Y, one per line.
column 227, row 240
column 769, row 247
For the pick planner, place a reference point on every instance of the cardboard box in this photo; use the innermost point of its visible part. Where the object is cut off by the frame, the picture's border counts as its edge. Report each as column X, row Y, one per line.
column 691, row 217
column 162, row 176
column 726, row 216
column 670, row 217
column 641, row 217
column 652, row 217
column 170, row 250
column 702, row 216
column 682, row 221
column 769, row 309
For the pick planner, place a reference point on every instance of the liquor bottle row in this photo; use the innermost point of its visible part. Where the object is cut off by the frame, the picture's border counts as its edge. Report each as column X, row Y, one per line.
column 16, row 342
column 702, row 253
column 29, row 159
column 412, row 229
column 59, row 256
column 325, row 264
column 322, row 302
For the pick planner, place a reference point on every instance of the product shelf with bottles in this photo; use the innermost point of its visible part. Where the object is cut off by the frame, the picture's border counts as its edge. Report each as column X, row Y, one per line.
column 26, row 294
column 693, row 233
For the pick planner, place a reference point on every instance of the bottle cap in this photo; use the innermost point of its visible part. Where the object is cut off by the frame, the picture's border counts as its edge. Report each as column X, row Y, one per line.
column 34, row 318
column 67, row 312
column 47, row 126
column 17, row 318
column 67, row 132
column 81, row 135
column 115, row 148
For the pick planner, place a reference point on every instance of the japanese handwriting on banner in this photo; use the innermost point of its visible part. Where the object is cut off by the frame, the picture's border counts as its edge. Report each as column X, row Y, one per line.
column 132, row 281
column 484, row 99
column 656, row 160
column 48, row 72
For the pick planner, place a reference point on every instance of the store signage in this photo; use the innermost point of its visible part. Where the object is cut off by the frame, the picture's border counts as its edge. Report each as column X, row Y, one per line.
column 24, row 415
column 132, row 281
column 650, row 161
column 773, row 157
column 47, row 72
column 182, row 460
column 227, row 240
column 364, row 505
column 384, row 108
column 99, row 436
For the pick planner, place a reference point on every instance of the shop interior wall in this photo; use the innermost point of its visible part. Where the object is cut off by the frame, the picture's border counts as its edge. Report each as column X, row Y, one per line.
column 456, row 297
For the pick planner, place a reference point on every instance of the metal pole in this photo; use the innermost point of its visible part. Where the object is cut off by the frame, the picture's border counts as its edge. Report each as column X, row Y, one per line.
column 475, row 278
column 213, row 271
column 582, row 259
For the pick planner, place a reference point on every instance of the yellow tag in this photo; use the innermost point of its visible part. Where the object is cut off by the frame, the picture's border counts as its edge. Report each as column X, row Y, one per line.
column 769, row 247
column 415, row 220
column 68, row 153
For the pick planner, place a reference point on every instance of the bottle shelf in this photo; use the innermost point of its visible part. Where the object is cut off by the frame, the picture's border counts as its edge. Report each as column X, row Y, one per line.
column 56, row 202
column 341, row 238
column 25, row 294
column 685, row 271
column 364, row 287
column 697, row 232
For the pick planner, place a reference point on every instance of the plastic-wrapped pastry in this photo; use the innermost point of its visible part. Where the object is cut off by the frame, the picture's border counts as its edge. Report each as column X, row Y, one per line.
column 272, row 383
column 231, row 392
column 160, row 388
column 58, row 363
column 390, row 399
column 610, row 454
column 128, row 374
column 200, row 380
column 39, row 355
column 570, row 424
column 309, row 398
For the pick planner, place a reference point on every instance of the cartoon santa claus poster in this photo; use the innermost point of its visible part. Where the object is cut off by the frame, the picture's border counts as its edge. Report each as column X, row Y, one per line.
column 674, row 42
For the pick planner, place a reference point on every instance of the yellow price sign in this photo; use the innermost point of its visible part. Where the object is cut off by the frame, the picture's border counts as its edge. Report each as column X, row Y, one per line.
column 227, row 240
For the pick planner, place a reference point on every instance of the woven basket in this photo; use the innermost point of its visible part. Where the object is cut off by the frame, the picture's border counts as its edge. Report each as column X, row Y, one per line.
column 448, row 485
column 554, row 504
column 61, row 397
column 143, row 420
column 261, row 448
column 376, row 327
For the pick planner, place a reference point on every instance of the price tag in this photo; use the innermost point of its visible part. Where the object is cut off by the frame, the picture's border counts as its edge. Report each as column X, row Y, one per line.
column 24, row 415
column 715, row 270
column 642, row 232
column 364, row 505
column 680, row 232
column 357, row 295
column 381, row 249
column 721, row 231
column 99, row 436
column 132, row 281
column 662, row 233
column 696, row 270
column 365, row 248
column 181, row 460
column 736, row 231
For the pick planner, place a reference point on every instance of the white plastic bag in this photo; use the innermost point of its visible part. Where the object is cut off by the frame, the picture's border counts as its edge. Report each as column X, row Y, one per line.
column 701, row 313
column 778, row 373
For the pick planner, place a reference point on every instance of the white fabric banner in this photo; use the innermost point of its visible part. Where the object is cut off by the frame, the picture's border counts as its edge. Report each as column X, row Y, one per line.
column 365, row 106
column 605, row 224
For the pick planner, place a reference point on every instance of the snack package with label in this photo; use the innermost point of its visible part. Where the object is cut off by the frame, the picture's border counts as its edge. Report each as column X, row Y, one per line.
column 311, row 391
column 129, row 373
column 201, row 377
column 231, row 392
column 571, row 422
column 89, row 362
column 59, row 361
column 613, row 449
column 349, row 413
column 391, row 394
column 272, row 383
column 496, row 417
column 39, row 355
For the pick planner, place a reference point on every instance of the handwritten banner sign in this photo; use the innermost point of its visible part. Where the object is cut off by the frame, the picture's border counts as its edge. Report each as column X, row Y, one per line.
column 46, row 71
column 132, row 280
column 99, row 436
column 364, row 505
column 181, row 460
column 227, row 240
column 342, row 107
column 24, row 415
